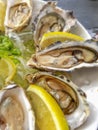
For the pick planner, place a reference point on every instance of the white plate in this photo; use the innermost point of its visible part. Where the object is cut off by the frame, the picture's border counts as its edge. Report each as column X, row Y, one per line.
column 86, row 78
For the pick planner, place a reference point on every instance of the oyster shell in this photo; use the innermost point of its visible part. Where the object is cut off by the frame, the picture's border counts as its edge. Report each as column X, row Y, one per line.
column 66, row 56
column 15, row 110
column 50, row 19
column 78, row 29
column 18, row 15
column 71, row 99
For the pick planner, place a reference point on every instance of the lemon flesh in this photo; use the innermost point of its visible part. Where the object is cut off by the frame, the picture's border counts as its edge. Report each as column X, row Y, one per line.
column 7, row 69
column 53, row 37
column 2, row 14
column 47, row 112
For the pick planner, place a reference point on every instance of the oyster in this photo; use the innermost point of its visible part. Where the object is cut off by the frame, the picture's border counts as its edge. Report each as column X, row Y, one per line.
column 66, row 56
column 18, row 15
column 71, row 99
column 50, row 19
column 15, row 110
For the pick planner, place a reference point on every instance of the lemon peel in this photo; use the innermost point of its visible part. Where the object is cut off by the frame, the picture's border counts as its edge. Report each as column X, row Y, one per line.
column 7, row 69
column 2, row 14
column 53, row 37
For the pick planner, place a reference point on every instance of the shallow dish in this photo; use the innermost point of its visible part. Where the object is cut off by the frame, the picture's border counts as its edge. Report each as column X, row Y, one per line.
column 86, row 78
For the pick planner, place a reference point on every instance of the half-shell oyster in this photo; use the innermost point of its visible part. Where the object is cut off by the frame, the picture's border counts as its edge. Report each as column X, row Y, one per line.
column 15, row 110
column 51, row 19
column 66, row 56
column 18, row 14
column 70, row 98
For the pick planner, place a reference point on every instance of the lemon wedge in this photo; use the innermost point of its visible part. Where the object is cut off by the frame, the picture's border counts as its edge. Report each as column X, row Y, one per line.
column 52, row 37
column 47, row 112
column 2, row 14
column 7, row 69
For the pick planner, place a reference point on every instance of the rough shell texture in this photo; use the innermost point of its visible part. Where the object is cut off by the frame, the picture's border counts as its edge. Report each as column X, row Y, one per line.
column 71, row 99
column 66, row 56
column 51, row 18
column 15, row 109
column 18, row 15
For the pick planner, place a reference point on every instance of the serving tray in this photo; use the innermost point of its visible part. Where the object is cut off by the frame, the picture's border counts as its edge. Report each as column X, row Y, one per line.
column 86, row 78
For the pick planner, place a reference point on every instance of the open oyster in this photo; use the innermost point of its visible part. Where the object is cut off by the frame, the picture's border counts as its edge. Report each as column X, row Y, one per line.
column 66, row 56
column 15, row 110
column 50, row 19
column 70, row 98
column 18, row 14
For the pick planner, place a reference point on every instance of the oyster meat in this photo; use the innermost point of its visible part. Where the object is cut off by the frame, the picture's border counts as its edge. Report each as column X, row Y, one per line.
column 18, row 15
column 15, row 110
column 66, row 56
column 50, row 19
column 71, row 99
